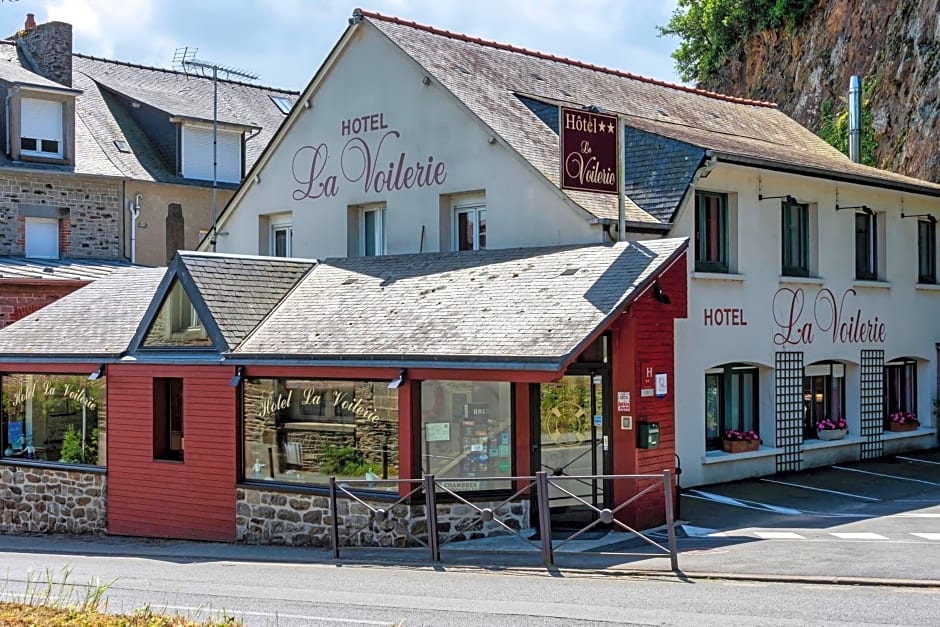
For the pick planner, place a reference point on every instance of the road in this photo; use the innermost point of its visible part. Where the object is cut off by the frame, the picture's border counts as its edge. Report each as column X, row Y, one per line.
column 347, row 594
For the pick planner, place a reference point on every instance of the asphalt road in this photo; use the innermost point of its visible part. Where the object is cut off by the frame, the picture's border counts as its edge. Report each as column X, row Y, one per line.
column 321, row 594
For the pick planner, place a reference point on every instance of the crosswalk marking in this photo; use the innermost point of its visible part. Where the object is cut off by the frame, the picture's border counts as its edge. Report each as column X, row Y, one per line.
column 779, row 535
column 860, row 536
column 927, row 536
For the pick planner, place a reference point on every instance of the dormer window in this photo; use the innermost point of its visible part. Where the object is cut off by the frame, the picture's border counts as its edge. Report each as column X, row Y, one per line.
column 41, row 128
column 197, row 154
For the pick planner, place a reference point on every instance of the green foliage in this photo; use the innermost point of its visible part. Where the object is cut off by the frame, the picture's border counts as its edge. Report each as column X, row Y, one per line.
column 834, row 124
column 72, row 450
column 710, row 30
column 345, row 460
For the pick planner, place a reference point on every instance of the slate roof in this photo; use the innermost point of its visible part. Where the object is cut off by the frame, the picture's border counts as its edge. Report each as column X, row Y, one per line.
column 30, row 268
column 240, row 291
column 102, row 116
column 98, row 320
column 489, row 77
column 522, row 306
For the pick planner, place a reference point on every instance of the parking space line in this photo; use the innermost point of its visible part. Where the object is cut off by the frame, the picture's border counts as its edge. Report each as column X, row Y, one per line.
column 859, row 536
column 806, row 487
column 918, row 461
column 927, row 536
column 881, row 474
column 778, row 535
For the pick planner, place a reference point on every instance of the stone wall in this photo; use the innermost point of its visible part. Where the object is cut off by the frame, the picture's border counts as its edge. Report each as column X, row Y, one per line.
column 43, row 500
column 91, row 226
column 49, row 47
column 271, row 517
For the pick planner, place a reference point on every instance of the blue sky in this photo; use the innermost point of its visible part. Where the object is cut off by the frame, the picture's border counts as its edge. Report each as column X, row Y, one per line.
column 285, row 41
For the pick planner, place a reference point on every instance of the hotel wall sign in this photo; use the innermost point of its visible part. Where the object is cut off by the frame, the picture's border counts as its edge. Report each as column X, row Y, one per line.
column 803, row 320
column 589, row 148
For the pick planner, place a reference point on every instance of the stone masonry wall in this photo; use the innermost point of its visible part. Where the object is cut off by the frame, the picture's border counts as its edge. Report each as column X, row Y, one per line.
column 270, row 517
column 92, row 228
column 42, row 500
column 49, row 46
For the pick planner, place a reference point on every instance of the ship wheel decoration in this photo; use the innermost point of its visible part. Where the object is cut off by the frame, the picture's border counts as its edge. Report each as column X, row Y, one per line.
column 566, row 424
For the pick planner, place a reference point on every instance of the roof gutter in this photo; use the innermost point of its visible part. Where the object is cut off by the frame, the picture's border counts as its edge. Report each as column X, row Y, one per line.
column 44, row 282
column 547, row 364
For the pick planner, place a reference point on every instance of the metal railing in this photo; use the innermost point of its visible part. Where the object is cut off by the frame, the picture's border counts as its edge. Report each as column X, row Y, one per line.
column 426, row 491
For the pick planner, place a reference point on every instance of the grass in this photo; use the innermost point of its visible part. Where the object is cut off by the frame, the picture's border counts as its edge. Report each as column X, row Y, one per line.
column 65, row 604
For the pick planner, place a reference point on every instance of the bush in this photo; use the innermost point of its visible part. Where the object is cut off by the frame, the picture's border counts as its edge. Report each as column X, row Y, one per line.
column 72, row 450
column 344, row 460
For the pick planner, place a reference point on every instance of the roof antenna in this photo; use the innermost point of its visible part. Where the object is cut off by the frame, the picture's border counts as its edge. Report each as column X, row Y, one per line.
column 185, row 59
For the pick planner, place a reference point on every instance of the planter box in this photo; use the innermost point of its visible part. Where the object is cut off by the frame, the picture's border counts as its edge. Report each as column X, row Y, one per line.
column 907, row 426
column 831, row 434
column 740, row 446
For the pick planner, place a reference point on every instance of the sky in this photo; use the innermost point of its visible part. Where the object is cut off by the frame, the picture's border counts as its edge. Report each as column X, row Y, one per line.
column 283, row 42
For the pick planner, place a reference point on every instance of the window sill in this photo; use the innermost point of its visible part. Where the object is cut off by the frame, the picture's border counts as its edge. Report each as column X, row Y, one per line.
column 718, row 276
column 801, row 280
column 849, row 440
column 718, row 457
column 901, row 435
column 875, row 285
column 41, row 463
column 927, row 287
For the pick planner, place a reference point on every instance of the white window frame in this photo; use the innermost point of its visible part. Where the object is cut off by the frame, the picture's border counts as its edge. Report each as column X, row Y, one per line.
column 49, row 129
column 277, row 227
column 379, row 242
column 39, row 228
column 475, row 209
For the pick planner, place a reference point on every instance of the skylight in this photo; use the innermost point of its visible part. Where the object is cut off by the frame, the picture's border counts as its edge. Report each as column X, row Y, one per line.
column 282, row 103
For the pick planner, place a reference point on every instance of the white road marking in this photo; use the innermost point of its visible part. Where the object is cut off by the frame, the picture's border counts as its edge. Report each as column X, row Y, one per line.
column 859, row 536
column 918, row 461
column 779, row 535
column 913, row 515
column 806, row 487
column 927, row 536
column 881, row 474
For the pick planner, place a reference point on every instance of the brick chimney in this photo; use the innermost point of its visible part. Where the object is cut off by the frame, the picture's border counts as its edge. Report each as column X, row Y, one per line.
column 48, row 49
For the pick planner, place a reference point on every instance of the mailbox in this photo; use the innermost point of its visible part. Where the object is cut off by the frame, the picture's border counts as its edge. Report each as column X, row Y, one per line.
column 648, row 434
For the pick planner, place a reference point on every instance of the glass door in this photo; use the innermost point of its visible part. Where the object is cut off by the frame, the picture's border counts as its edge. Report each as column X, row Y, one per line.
column 570, row 442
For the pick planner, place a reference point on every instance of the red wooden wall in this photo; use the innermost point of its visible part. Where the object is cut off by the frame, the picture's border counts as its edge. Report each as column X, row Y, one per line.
column 192, row 499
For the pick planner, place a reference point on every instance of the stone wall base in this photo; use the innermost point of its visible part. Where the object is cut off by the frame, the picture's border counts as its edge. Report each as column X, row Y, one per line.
column 43, row 500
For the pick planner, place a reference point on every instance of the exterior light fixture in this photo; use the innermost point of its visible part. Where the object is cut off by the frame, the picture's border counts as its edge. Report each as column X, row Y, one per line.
column 237, row 379
column 868, row 211
column 97, row 374
column 397, row 381
column 790, row 199
column 929, row 217
column 659, row 294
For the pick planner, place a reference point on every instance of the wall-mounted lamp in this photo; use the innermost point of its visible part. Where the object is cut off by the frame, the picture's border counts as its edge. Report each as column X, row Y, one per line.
column 426, row 81
column 659, row 294
column 97, row 374
column 868, row 211
column 790, row 199
column 593, row 108
column 307, row 103
column 397, row 381
column 237, row 379
column 930, row 218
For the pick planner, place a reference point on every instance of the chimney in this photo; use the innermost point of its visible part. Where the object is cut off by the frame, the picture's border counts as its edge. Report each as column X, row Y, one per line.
column 855, row 116
column 48, row 49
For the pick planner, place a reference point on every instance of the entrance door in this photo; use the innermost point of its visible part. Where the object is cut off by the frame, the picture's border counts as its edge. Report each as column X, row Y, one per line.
column 570, row 428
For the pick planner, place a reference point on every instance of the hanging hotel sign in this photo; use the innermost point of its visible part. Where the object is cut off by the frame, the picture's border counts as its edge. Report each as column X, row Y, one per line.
column 801, row 319
column 589, row 148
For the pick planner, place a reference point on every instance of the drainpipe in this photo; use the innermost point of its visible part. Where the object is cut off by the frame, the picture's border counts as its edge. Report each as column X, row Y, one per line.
column 134, row 209
column 855, row 115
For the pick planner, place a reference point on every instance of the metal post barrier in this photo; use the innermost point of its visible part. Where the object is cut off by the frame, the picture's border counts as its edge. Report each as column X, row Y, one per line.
column 670, row 521
column 334, row 519
column 430, row 504
column 545, row 521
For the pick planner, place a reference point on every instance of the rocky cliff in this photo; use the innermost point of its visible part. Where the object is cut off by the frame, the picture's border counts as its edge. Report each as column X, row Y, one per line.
column 894, row 45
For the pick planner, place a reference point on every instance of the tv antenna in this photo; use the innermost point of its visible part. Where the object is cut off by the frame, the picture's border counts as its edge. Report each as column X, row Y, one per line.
column 185, row 60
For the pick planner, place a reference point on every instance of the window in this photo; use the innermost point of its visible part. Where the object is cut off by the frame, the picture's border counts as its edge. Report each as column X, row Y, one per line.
column 197, row 154
column 42, row 238
column 56, row 418
column 41, row 128
column 168, row 419
column 823, row 395
column 466, row 431
column 711, row 232
column 731, row 396
column 900, row 387
column 304, row 431
column 866, row 247
column 372, row 231
column 283, row 103
column 926, row 252
column 470, row 227
column 177, row 324
column 282, row 236
column 795, row 222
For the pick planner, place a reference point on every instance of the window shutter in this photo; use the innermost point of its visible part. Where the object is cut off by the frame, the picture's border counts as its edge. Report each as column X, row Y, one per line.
column 42, row 238
column 197, row 154
column 42, row 120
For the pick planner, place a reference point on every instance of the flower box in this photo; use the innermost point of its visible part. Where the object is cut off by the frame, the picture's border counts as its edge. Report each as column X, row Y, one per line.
column 831, row 434
column 740, row 446
column 903, row 426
